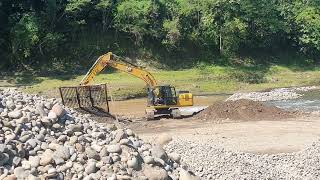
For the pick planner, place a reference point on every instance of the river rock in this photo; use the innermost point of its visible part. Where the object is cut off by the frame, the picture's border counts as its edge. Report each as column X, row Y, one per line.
column 133, row 163
column 10, row 104
column 75, row 127
column 120, row 134
column 15, row 114
column 174, row 156
column 158, row 151
column 114, row 148
column 58, row 110
column 155, row 173
column 46, row 157
column 148, row 160
column 92, row 154
column 91, row 168
column 62, row 152
column 34, row 161
column 20, row 173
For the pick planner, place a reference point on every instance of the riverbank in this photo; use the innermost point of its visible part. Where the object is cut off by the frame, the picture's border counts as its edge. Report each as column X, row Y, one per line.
column 200, row 80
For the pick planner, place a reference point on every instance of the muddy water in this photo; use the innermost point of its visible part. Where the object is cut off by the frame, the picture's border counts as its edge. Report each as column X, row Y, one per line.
column 309, row 102
column 136, row 107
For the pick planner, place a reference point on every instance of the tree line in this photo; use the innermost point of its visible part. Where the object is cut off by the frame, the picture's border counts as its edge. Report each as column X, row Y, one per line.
column 36, row 33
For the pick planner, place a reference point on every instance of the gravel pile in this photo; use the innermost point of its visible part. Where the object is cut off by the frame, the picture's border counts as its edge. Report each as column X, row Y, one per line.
column 273, row 95
column 243, row 109
column 210, row 162
column 40, row 139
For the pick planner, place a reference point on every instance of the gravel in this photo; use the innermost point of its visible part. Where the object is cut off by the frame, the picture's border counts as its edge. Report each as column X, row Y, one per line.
column 211, row 162
column 39, row 138
column 275, row 94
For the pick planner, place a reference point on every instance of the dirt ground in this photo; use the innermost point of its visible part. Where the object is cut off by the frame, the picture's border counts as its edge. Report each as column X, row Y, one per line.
column 261, row 137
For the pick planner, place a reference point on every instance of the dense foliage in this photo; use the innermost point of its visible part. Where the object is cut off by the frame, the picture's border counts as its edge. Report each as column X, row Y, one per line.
column 54, row 33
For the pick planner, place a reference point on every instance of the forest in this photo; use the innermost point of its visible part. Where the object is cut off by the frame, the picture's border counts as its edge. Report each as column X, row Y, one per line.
column 67, row 35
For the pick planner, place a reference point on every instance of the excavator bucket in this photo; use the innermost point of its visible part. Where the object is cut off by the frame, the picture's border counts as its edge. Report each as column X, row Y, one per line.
column 93, row 96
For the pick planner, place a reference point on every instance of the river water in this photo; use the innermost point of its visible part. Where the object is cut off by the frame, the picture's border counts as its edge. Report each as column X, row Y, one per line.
column 310, row 101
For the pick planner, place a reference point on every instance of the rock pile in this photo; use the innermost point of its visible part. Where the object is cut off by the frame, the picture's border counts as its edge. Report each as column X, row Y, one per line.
column 273, row 95
column 40, row 139
column 211, row 162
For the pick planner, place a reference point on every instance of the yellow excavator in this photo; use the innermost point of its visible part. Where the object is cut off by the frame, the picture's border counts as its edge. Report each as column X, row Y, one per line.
column 162, row 99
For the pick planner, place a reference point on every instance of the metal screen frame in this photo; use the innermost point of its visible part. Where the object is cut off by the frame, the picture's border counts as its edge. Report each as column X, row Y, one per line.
column 85, row 96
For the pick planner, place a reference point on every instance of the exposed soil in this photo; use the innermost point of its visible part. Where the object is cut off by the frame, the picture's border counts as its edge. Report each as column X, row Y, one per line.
column 243, row 110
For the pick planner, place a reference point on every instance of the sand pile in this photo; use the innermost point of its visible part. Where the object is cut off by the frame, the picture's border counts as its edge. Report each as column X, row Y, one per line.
column 244, row 110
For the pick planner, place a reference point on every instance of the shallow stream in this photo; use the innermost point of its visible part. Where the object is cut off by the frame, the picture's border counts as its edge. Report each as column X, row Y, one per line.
column 310, row 101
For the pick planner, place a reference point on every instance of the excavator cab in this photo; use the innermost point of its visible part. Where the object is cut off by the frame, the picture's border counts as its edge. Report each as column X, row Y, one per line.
column 164, row 100
column 162, row 96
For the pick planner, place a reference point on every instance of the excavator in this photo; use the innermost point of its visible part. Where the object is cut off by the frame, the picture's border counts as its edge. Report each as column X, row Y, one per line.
column 162, row 99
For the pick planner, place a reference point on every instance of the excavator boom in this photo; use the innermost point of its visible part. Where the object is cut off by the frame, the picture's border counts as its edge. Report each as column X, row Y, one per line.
column 114, row 61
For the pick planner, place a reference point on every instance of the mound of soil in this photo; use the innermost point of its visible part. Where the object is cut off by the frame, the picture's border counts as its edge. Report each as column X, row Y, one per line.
column 244, row 110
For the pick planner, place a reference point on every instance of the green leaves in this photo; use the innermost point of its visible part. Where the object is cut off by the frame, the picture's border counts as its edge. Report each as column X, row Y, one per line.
column 25, row 35
column 136, row 17
column 309, row 22
column 76, row 5
column 53, row 30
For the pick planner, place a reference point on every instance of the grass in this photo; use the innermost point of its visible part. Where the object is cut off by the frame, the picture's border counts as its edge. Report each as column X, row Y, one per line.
column 201, row 80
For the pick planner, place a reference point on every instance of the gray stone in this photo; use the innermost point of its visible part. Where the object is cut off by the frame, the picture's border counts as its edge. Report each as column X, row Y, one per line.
column 129, row 132
column 46, row 157
column 58, row 110
column 174, row 156
column 62, row 152
column 53, row 116
column 92, row 154
column 40, row 137
column 107, row 160
column 52, row 171
column 73, row 140
column 25, row 138
column 10, row 104
column 48, row 105
column 3, row 148
column 58, row 160
column 32, row 142
column 75, row 127
column 104, row 152
column 62, row 138
column 34, row 161
column 16, row 161
column 56, row 126
column 114, row 148
column 41, row 111
column 91, row 168
column 125, row 141
column 46, row 121
column 133, row 163
column 159, row 161
column 120, row 134
column 22, row 120
column 20, row 173
column 148, row 160
column 111, row 127
column 155, row 173
column 15, row 114
column 158, row 151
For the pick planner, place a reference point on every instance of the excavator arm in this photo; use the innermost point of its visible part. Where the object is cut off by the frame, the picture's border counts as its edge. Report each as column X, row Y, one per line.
column 114, row 61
